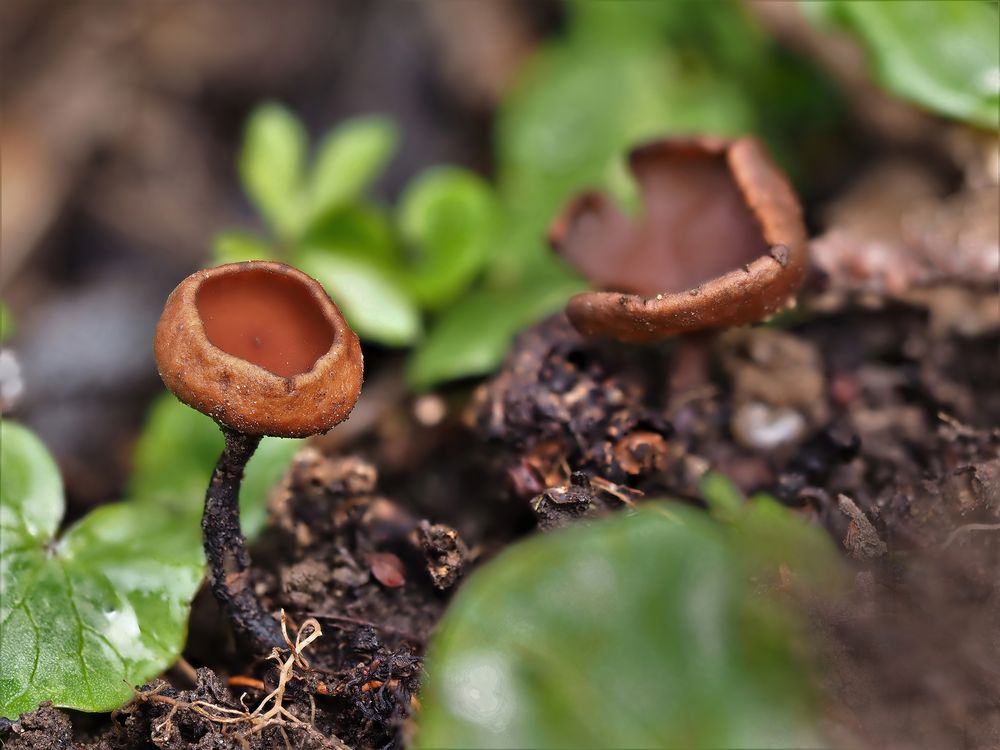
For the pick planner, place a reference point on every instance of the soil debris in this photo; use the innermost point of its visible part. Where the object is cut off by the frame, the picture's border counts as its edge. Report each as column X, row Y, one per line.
column 861, row 541
column 446, row 554
column 45, row 728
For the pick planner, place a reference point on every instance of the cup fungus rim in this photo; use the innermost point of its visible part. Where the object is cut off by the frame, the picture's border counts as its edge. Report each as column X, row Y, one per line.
column 745, row 294
column 238, row 392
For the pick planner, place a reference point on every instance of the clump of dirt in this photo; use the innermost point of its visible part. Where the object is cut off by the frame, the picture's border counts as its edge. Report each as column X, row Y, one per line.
column 372, row 573
column 45, row 728
column 562, row 405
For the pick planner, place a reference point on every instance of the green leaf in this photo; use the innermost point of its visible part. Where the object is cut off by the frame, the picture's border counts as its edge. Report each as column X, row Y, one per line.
column 173, row 460
column 32, row 489
column 6, row 323
column 473, row 336
column 448, row 216
column 235, row 246
column 349, row 159
column 361, row 230
column 375, row 304
column 271, row 165
column 175, row 456
column 939, row 55
column 723, row 497
column 635, row 631
column 87, row 616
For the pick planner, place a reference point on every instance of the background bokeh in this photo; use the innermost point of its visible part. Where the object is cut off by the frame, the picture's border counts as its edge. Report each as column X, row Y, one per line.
column 123, row 124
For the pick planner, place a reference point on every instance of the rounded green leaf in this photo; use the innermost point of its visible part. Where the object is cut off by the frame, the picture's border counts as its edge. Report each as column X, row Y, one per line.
column 635, row 631
column 940, row 55
column 31, row 486
column 271, row 165
column 375, row 304
column 85, row 617
column 472, row 336
column 447, row 217
column 349, row 159
column 361, row 230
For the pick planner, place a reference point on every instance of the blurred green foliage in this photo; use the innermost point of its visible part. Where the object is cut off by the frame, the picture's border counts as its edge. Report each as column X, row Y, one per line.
column 650, row 629
column 460, row 265
column 943, row 55
column 6, row 323
column 176, row 453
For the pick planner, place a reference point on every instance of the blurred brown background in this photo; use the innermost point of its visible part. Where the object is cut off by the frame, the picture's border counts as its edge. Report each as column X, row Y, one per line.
column 121, row 124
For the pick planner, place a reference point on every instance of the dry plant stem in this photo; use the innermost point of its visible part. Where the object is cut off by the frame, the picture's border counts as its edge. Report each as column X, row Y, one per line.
column 226, row 548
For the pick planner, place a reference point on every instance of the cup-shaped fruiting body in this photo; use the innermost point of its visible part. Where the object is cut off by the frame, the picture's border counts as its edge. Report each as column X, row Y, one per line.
column 719, row 241
column 261, row 348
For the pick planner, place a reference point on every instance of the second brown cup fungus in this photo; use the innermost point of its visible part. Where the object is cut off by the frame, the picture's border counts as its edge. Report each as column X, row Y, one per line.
column 262, row 349
column 719, row 242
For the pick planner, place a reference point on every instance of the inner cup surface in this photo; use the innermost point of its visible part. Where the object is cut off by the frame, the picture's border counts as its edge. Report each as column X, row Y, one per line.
column 694, row 225
column 266, row 318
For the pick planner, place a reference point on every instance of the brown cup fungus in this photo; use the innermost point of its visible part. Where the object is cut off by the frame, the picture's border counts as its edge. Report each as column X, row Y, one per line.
column 719, row 242
column 262, row 349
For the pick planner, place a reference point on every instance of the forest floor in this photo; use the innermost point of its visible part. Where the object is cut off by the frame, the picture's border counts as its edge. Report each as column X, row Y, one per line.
column 877, row 422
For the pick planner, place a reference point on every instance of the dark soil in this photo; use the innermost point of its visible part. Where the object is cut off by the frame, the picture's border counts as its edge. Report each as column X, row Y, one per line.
column 873, row 423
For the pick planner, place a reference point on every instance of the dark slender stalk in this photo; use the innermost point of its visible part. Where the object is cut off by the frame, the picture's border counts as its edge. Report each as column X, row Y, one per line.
column 226, row 547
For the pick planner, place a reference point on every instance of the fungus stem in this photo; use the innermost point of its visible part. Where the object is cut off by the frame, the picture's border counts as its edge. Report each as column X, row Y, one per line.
column 226, row 549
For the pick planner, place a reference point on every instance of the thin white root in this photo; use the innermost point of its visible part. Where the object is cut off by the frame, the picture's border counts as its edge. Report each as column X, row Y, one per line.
column 271, row 710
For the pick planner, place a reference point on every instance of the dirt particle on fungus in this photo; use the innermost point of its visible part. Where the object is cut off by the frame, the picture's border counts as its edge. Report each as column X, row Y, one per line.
column 780, row 254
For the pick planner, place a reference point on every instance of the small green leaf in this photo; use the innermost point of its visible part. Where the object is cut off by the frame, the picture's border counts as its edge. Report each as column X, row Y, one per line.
column 939, row 55
column 175, row 456
column 6, row 323
column 473, row 336
column 770, row 536
column 375, row 304
column 634, row 631
column 32, row 489
column 272, row 163
column 173, row 460
column 447, row 216
column 361, row 230
column 235, row 246
column 87, row 616
column 723, row 497
column 349, row 159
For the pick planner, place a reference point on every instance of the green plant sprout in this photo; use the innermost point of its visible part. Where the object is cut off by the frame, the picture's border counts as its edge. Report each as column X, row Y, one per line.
column 460, row 265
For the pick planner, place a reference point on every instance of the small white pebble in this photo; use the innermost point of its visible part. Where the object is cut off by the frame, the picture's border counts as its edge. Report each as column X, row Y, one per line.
column 762, row 427
column 429, row 409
